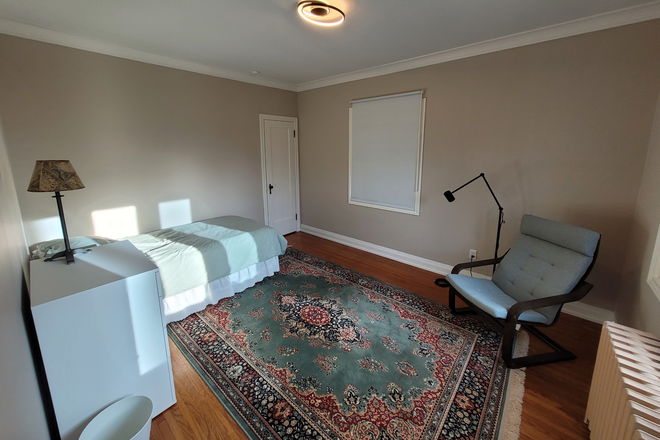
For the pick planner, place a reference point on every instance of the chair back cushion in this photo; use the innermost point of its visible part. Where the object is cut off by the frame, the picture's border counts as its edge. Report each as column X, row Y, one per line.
column 547, row 259
column 571, row 237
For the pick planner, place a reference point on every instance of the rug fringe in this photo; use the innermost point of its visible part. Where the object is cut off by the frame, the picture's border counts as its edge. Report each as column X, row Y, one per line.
column 515, row 391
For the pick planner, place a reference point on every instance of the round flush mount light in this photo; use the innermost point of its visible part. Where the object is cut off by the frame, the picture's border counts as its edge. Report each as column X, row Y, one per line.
column 320, row 13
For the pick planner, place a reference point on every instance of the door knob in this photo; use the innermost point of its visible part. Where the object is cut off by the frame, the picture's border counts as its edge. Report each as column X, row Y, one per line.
column 270, row 188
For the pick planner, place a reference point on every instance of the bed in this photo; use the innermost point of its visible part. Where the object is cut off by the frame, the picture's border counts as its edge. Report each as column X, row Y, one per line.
column 202, row 262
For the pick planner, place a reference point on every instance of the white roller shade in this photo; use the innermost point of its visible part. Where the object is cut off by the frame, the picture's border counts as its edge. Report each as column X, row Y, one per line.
column 386, row 152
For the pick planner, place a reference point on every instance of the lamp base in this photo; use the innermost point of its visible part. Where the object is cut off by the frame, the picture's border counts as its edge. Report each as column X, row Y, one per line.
column 68, row 254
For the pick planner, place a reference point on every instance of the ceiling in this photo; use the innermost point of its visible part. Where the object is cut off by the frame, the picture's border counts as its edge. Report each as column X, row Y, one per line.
column 233, row 38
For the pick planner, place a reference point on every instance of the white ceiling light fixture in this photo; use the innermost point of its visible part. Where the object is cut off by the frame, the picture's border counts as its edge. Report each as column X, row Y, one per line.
column 320, row 13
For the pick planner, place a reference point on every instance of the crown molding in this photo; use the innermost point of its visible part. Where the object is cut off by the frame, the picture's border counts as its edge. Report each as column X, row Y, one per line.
column 622, row 17
column 31, row 32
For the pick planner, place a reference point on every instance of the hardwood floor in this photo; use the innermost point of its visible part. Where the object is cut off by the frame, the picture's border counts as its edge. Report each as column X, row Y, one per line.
column 555, row 395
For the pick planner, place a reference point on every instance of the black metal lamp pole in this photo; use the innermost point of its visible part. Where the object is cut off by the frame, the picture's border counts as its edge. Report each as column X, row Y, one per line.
column 68, row 253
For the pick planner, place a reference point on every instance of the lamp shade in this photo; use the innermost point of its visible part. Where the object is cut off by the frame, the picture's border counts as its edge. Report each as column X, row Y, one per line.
column 54, row 176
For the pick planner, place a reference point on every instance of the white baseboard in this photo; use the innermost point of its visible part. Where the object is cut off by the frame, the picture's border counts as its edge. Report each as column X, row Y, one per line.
column 581, row 310
column 392, row 254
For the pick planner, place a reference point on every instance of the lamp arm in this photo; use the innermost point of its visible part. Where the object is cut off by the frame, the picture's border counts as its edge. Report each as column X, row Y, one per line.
column 491, row 191
column 500, row 219
column 466, row 184
column 482, row 175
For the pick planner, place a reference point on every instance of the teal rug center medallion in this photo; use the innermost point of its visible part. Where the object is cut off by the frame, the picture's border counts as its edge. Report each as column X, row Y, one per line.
column 319, row 351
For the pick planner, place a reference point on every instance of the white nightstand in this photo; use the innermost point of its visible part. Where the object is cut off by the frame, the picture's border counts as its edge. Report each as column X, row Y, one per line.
column 101, row 332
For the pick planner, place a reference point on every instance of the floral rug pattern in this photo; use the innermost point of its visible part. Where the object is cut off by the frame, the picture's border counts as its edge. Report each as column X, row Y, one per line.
column 319, row 351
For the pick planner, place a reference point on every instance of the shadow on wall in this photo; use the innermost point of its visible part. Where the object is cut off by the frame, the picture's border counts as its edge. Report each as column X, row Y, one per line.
column 43, row 229
column 38, row 361
column 607, row 275
column 635, row 273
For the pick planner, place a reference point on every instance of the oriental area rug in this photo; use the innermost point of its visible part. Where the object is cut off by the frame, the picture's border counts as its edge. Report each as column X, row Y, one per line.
column 319, row 351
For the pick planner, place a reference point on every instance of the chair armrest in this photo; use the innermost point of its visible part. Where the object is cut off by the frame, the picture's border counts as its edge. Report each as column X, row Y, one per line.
column 479, row 263
column 574, row 295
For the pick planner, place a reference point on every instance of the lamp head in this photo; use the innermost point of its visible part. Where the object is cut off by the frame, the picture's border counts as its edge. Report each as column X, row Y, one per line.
column 450, row 197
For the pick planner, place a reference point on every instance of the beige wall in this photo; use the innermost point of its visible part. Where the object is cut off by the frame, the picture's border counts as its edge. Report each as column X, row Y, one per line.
column 561, row 130
column 137, row 134
column 21, row 411
column 638, row 305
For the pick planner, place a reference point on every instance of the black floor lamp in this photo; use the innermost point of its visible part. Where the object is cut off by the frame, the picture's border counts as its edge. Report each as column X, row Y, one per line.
column 500, row 221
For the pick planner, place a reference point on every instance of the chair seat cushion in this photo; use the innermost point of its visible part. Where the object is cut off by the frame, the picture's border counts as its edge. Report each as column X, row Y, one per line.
column 485, row 295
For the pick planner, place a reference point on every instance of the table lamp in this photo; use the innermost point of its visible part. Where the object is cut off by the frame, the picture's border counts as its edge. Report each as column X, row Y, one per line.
column 56, row 176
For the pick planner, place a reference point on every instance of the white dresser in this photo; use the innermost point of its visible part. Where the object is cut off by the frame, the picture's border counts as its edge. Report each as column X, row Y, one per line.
column 101, row 332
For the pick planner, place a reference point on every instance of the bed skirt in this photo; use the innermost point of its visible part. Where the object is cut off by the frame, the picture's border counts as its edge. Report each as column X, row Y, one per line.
column 185, row 303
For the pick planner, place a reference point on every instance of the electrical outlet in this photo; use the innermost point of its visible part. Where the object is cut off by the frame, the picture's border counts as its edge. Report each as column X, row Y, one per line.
column 473, row 254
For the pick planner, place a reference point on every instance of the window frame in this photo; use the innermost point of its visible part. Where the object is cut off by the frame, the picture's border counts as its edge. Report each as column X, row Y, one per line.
column 419, row 160
column 653, row 279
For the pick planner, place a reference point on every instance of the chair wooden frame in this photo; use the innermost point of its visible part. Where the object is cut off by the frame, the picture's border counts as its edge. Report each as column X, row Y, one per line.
column 508, row 325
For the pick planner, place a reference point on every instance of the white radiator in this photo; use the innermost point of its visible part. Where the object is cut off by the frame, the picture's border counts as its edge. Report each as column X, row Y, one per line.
column 624, row 401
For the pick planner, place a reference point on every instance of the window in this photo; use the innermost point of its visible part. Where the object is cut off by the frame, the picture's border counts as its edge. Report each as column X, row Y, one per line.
column 385, row 152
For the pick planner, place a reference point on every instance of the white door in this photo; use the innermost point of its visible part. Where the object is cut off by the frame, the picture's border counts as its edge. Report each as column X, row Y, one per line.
column 280, row 166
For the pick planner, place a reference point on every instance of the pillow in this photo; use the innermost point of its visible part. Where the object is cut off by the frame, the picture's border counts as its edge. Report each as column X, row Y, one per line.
column 47, row 248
